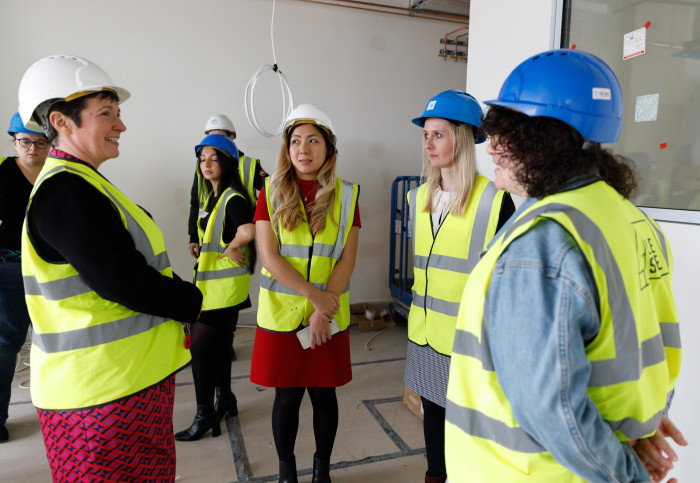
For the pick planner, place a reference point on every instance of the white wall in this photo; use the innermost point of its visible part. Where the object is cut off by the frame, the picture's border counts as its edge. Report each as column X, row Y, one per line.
column 503, row 33
column 184, row 60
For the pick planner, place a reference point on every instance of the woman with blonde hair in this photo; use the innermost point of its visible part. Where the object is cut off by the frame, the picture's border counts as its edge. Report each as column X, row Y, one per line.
column 307, row 222
column 453, row 217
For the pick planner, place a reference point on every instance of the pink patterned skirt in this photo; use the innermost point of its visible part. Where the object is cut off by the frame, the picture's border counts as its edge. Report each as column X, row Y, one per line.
column 127, row 440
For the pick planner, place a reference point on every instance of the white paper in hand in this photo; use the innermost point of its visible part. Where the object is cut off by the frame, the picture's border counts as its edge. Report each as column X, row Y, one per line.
column 303, row 334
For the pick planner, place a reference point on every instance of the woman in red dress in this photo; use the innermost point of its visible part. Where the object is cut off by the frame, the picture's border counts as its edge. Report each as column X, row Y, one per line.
column 307, row 224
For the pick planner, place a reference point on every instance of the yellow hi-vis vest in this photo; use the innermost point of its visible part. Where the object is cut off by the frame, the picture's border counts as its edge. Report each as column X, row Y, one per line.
column 280, row 308
column 223, row 282
column 246, row 170
column 86, row 350
column 442, row 263
column 635, row 357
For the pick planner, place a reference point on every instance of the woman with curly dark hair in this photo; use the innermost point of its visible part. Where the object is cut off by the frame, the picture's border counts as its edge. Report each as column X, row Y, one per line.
column 567, row 343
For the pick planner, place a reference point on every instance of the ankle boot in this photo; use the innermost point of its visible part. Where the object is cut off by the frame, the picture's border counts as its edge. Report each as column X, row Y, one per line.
column 321, row 471
column 204, row 420
column 225, row 403
column 288, row 471
column 435, row 479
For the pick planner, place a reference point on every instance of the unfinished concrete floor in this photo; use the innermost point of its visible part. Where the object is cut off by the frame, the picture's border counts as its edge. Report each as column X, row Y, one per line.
column 379, row 439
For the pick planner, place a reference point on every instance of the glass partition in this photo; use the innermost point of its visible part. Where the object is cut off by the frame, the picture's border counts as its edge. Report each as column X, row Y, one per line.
column 654, row 48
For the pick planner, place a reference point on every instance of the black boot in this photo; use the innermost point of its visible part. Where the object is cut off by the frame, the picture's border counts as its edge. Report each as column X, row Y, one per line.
column 204, row 420
column 288, row 471
column 321, row 471
column 225, row 403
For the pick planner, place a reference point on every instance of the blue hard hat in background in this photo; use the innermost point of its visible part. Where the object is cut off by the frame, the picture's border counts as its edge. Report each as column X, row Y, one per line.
column 16, row 125
column 218, row 141
column 456, row 106
column 573, row 86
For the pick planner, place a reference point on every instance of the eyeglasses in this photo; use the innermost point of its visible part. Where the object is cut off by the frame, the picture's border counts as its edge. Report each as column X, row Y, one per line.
column 27, row 143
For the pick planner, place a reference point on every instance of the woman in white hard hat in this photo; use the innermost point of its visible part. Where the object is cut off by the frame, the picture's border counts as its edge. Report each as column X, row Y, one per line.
column 307, row 223
column 226, row 259
column 17, row 175
column 567, row 343
column 105, row 305
column 453, row 216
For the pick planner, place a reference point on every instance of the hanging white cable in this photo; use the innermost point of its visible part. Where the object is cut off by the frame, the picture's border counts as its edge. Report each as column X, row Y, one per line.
column 287, row 100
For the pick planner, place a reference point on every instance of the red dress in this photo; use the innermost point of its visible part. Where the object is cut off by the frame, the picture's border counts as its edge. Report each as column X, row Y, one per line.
column 278, row 358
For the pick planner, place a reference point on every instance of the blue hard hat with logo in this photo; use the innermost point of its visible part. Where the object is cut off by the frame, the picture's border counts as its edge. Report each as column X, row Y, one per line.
column 456, row 106
column 220, row 142
column 573, row 86
column 16, row 125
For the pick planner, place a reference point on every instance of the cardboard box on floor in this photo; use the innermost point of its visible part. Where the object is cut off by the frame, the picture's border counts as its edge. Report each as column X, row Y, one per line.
column 412, row 401
column 368, row 318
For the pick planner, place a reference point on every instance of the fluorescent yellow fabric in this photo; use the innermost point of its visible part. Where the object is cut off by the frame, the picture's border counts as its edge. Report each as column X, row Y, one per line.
column 442, row 263
column 222, row 281
column 631, row 374
column 246, row 170
column 87, row 350
column 280, row 308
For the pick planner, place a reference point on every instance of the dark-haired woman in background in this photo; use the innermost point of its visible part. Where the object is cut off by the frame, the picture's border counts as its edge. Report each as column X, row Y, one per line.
column 226, row 256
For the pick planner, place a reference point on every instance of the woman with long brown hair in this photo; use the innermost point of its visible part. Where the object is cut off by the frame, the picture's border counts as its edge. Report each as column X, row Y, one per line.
column 225, row 259
column 307, row 223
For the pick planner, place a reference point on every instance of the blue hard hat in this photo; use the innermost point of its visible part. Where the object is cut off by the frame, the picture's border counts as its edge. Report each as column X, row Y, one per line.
column 456, row 106
column 218, row 141
column 570, row 85
column 16, row 125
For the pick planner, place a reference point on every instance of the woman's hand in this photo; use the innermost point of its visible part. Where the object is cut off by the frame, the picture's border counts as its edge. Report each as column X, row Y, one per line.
column 325, row 303
column 193, row 249
column 234, row 253
column 319, row 330
column 656, row 453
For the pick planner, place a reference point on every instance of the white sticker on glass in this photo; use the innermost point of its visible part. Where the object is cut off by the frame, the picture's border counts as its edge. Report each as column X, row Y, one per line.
column 646, row 108
column 634, row 43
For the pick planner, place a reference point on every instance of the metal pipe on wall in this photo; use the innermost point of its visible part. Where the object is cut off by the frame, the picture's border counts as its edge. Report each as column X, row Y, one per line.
column 404, row 12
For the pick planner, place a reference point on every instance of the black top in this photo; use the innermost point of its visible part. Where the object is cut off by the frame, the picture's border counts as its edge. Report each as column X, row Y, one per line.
column 258, row 184
column 507, row 210
column 237, row 214
column 71, row 221
column 14, row 195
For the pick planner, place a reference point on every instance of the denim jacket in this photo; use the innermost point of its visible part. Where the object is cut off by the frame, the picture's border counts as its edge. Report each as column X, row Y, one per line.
column 542, row 313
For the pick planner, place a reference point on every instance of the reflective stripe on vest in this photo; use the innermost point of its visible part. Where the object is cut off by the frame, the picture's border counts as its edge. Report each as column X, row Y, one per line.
column 442, row 262
column 222, row 281
column 72, row 286
column 76, row 331
column 281, row 308
column 623, row 369
column 246, row 170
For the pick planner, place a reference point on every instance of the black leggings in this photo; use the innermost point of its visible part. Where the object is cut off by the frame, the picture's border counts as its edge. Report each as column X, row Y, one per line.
column 434, row 433
column 211, row 359
column 285, row 419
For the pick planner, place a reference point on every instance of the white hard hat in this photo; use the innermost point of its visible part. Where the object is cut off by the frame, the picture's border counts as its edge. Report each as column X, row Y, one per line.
column 220, row 121
column 312, row 114
column 57, row 78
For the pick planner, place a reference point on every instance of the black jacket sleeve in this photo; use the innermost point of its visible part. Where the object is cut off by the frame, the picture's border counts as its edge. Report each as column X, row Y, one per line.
column 72, row 221
column 194, row 212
